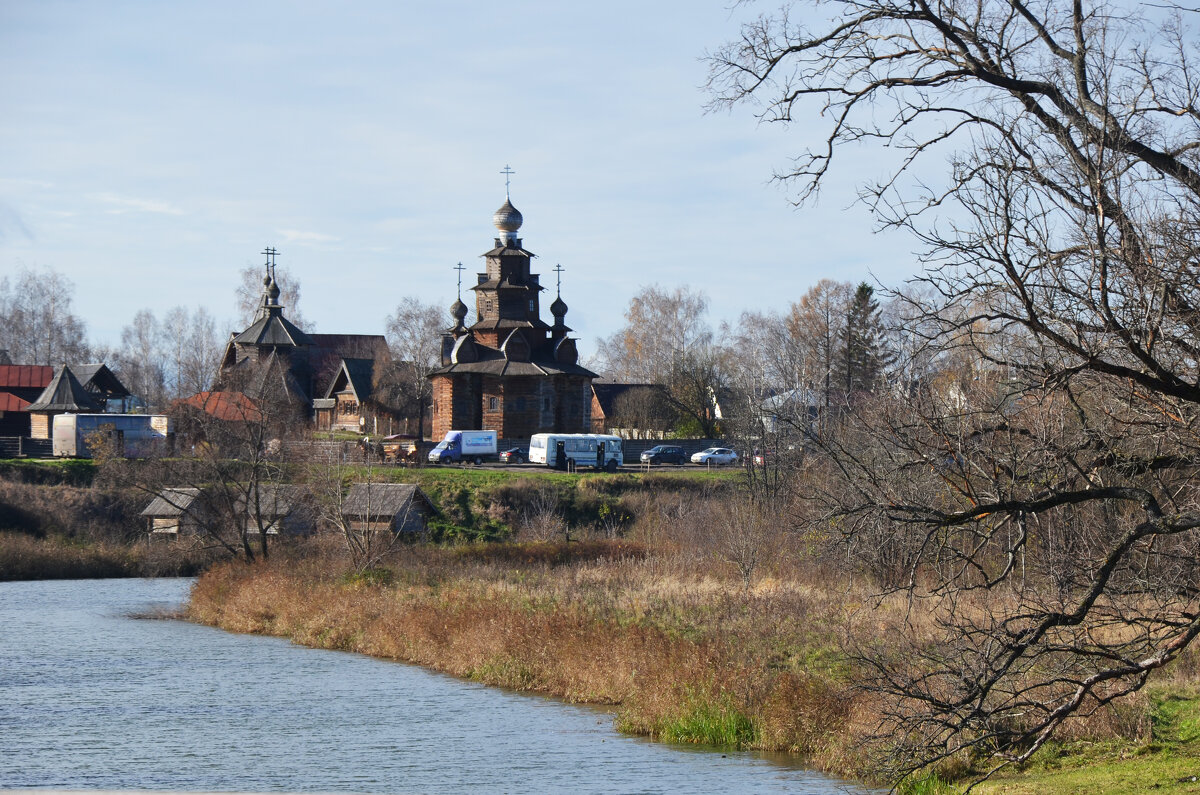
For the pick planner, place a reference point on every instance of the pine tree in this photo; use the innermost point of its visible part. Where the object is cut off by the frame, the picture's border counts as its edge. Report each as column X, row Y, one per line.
column 865, row 355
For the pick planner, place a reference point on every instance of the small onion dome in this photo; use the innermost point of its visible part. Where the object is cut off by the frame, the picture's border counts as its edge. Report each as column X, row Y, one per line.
column 273, row 291
column 558, row 308
column 267, row 280
column 508, row 218
column 458, row 310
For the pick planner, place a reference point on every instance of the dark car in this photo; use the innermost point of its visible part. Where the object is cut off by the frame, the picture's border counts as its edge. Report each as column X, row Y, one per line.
column 514, row 455
column 663, row 454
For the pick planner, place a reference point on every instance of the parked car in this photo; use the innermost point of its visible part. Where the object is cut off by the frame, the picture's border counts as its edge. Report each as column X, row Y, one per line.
column 514, row 455
column 714, row 456
column 663, row 454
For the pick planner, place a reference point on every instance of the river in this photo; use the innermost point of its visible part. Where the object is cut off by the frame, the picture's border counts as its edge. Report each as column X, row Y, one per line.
column 92, row 697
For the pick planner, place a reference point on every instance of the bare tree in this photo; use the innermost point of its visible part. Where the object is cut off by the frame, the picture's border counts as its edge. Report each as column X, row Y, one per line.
column 1068, row 280
column 37, row 323
column 142, row 363
column 667, row 341
column 414, row 336
column 250, row 295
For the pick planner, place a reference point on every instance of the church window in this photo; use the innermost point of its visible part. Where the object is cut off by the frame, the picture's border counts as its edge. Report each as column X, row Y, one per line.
column 531, row 305
column 487, row 307
column 493, row 404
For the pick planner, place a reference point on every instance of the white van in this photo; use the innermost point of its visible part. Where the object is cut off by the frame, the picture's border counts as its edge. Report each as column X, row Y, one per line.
column 596, row 450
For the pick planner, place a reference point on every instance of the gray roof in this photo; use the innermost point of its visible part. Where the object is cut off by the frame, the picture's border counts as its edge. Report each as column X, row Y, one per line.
column 382, row 499
column 65, row 393
column 171, row 502
column 98, row 378
column 355, row 374
column 272, row 329
column 274, row 500
column 503, row 366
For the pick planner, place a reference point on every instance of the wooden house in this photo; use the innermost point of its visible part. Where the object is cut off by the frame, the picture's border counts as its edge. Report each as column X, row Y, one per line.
column 400, row 508
column 175, row 512
column 63, row 395
column 343, row 406
column 280, row 509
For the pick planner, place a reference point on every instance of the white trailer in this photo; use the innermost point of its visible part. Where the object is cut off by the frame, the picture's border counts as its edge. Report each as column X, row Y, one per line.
column 596, row 450
column 133, row 435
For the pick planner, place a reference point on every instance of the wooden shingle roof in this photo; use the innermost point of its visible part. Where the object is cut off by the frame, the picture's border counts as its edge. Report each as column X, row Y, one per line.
column 382, row 499
column 65, row 393
column 171, row 502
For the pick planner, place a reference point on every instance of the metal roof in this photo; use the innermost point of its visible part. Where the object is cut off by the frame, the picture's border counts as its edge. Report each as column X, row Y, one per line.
column 10, row 402
column 25, row 375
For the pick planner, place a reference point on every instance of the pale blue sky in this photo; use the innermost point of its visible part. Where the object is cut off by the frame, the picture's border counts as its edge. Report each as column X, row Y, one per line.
column 150, row 150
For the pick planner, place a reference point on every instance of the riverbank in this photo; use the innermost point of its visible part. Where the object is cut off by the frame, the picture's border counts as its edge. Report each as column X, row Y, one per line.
column 24, row 557
column 671, row 639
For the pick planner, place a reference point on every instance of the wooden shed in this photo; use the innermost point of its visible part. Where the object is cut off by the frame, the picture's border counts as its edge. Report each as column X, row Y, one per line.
column 174, row 512
column 281, row 509
column 391, row 507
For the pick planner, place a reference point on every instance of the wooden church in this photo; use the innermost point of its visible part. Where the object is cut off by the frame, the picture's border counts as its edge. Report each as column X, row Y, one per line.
column 510, row 371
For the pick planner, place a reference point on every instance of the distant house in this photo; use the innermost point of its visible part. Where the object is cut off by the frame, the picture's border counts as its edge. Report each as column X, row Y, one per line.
column 343, row 406
column 392, row 507
column 634, row 411
column 175, row 512
column 278, row 508
column 63, row 395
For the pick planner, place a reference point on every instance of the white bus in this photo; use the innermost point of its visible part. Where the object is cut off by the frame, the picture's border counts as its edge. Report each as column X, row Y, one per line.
column 597, row 450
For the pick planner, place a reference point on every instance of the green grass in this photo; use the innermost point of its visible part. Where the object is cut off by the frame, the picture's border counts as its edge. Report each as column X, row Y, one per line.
column 1168, row 763
column 709, row 721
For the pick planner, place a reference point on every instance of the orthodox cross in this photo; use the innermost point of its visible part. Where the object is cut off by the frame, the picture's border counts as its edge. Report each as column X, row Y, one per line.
column 507, row 172
column 271, row 255
column 459, row 267
column 559, row 269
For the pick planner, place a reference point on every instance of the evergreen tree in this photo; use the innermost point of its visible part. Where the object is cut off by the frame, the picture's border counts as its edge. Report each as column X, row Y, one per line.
column 865, row 355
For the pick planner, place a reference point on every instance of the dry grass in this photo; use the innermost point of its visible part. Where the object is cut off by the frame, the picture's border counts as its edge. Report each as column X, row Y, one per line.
column 684, row 653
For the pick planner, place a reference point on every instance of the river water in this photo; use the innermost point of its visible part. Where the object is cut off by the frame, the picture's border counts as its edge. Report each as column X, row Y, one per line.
column 94, row 698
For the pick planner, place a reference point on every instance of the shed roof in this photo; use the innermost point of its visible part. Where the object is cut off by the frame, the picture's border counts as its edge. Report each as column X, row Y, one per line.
column 382, row 499
column 65, row 393
column 273, row 500
column 171, row 502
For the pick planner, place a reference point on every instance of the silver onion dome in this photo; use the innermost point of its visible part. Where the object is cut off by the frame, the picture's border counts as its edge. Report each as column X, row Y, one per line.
column 458, row 310
column 558, row 308
column 508, row 219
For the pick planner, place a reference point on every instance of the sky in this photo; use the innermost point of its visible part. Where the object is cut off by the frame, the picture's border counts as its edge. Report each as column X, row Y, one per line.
column 151, row 150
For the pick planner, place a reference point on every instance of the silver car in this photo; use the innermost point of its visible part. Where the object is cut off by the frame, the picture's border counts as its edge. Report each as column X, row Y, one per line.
column 714, row 456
